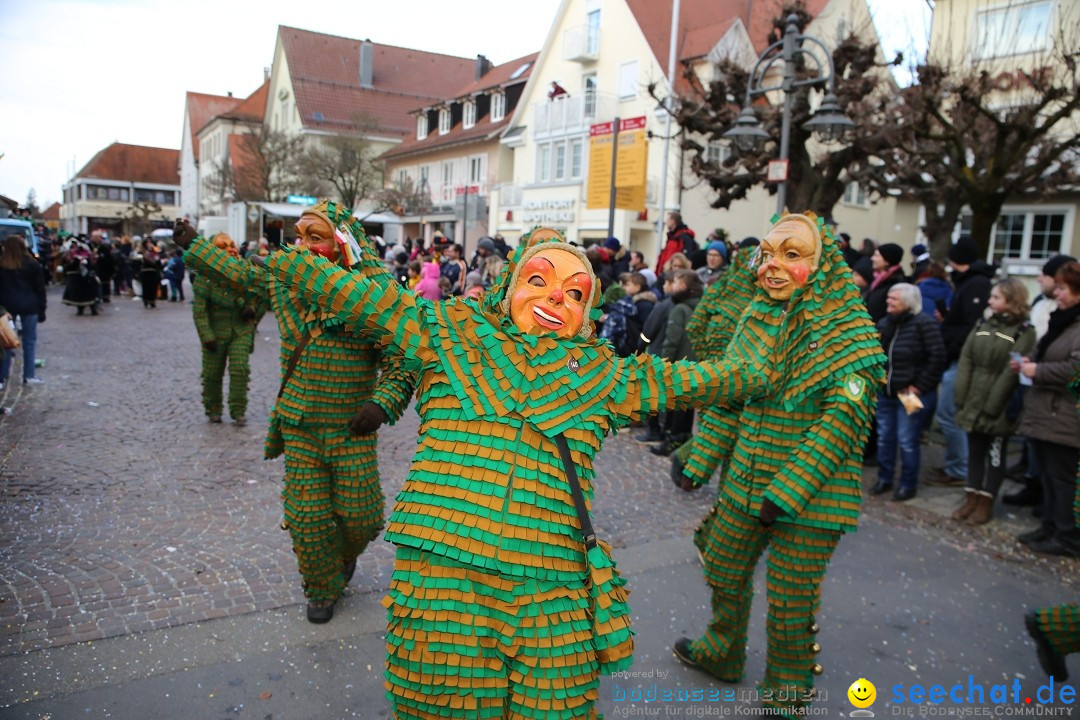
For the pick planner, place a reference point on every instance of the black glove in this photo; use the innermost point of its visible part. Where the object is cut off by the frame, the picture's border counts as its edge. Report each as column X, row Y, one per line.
column 769, row 512
column 183, row 233
column 40, row 317
column 247, row 313
column 257, row 260
column 210, row 345
column 368, row 420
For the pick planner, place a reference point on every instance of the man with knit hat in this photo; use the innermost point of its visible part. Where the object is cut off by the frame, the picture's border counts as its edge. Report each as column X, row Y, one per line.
column 972, row 279
column 920, row 261
column 716, row 253
column 887, row 272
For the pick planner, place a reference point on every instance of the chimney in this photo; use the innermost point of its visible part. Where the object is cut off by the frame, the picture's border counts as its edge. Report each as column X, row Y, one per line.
column 229, row 93
column 482, row 66
column 367, row 57
column 266, row 74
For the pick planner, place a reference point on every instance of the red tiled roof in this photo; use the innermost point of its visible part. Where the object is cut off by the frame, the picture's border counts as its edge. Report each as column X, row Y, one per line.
column 243, row 160
column 201, row 109
column 716, row 16
column 52, row 212
column 253, row 107
column 325, row 73
column 498, row 76
column 134, row 163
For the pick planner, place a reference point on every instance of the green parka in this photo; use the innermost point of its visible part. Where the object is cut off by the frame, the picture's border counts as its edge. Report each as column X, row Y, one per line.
column 984, row 382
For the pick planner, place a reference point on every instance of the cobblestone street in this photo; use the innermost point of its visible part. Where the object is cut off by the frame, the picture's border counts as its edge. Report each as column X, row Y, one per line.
column 124, row 510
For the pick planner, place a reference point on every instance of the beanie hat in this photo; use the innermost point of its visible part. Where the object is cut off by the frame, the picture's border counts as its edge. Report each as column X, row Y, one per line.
column 718, row 247
column 864, row 267
column 473, row 277
column 649, row 275
column 963, row 252
column 747, row 242
column 613, row 244
column 1055, row 263
column 891, row 253
column 486, row 243
column 918, row 250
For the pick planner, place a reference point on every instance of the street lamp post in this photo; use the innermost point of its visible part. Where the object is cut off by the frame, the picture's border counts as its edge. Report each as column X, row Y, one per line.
column 829, row 123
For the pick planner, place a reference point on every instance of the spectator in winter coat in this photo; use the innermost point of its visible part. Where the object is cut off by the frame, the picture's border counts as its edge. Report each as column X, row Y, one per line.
column 1049, row 417
column 652, row 342
column 637, row 261
column 935, row 289
column 501, row 248
column 862, row 274
column 680, row 239
column 620, row 257
column 915, row 361
column 626, row 316
column 920, row 261
column 686, row 292
column 985, row 384
column 716, row 253
column 971, row 282
column 428, row 287
column 887, row 272
column 174, row 273
column 22, row 295
column 485, row 247
column 454, row 268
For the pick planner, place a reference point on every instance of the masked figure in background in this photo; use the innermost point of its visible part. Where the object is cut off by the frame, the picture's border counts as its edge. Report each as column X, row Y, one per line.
column 333, row 504
column 502, row 603
column 226, row 321
column 81, row 289
column 792, row 460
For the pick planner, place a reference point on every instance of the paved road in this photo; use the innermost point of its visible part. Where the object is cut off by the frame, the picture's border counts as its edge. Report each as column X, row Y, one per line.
column 140, row 546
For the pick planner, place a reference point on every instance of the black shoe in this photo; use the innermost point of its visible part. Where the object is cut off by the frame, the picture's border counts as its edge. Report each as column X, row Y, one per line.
column 349, row 571
column 880, row 488
column 1039, row 534
column 93, row 310
column 939, row 478
column 649, row 436
column 320, row 611
column 1051, row 661
column 665, row 448
column 903, row 494
column 681, row 649
column 1054, row 546
column 1030, row 494
column 79, row 311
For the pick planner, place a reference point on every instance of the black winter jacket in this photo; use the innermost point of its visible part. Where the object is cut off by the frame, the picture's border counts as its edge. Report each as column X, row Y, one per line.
column 875, row 299
column 22, row 291
column 915, row 352
column 966, row 309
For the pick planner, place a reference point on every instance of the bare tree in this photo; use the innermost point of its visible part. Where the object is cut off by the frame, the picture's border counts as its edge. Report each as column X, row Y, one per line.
column 346, row 163
column 262, row 167
column 136, row 217
column 403, row 198
column 816, row 180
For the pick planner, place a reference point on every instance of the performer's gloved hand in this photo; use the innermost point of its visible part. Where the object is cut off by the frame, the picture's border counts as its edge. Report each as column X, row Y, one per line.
column 368, row 420
column 689, row 485
column 257, row 260
column 769, row 512
column 210, row 345
column 183, row 233
column 247, row 313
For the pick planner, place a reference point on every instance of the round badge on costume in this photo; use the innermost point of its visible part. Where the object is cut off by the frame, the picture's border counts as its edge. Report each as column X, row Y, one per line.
column 551, row 294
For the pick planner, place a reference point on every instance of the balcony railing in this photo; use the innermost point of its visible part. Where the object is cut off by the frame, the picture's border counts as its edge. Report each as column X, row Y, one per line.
column 571, row 113
column 578, row 46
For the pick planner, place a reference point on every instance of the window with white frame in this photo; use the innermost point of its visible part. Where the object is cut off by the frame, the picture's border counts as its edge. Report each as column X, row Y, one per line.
column 448, row 181
column 421, row 126
column 588, row 83
column 855, row 194
column 628, row 80
column 477, row 164
column 592, row 29
column 559, row 157
column 498, row 106
column 543, row 163
column 444, row 120
column 1024, row 233
column 468, row 118
column 1020, row 27
column 718, row 152
column 577, row 158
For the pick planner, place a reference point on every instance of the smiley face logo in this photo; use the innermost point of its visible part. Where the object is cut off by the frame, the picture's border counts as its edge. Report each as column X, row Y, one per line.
column 862, row 693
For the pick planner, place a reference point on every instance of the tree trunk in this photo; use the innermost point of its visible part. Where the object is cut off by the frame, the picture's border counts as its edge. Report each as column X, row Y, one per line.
column 983, row 217
column 941, row 220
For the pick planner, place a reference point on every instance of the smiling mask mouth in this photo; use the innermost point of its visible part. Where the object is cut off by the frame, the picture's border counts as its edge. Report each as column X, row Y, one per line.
column 546, row 317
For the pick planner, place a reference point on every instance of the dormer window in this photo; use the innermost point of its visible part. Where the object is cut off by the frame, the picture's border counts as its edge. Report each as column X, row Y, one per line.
column 444, row 121
column 421, row 126
column 498, row 106
column 469, row 115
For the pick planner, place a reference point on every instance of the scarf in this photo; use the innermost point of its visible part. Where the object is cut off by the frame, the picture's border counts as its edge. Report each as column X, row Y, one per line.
column 881, row 275
column 1059, row 320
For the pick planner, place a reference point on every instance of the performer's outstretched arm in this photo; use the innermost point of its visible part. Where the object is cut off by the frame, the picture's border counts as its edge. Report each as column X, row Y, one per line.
column 395, row 387
column 225, row 270
column 843, row 423
column 656, row 384
column 383, row 314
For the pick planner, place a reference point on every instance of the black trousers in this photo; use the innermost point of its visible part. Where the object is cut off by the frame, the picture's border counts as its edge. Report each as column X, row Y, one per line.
column 986, row 461
column 1058, row 475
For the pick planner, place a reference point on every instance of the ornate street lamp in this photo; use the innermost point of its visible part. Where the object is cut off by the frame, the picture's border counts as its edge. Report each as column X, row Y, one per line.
column 829, row 124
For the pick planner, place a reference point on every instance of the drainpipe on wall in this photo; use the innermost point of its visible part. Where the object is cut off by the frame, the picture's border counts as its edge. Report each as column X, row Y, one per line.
column 672, row 44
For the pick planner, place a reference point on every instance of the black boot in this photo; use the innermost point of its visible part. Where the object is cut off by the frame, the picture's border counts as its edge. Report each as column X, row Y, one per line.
column 1030, row 494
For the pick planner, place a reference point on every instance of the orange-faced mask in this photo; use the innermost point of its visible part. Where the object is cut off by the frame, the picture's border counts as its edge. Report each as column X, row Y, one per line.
column 314, row 233
column 788, row 255
column 552, row 294
column 224, row 242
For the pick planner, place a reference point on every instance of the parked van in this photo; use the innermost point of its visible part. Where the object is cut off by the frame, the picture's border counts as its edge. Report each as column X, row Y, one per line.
column 15, row 226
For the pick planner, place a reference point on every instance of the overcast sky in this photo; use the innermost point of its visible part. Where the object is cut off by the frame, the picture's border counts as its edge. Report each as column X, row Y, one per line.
column 81, row 74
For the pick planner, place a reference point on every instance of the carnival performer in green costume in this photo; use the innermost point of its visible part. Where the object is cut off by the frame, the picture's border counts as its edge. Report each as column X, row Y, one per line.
column 333, row 505
column 498, row 606
column 792, row 473
column 226, row 322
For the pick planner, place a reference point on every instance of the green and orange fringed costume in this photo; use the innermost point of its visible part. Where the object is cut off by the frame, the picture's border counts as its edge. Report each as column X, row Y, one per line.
column 710, row 329
column 228, row 320
column 1060, row 625
column 494, row 610
column 800, row 447
column 333, row 504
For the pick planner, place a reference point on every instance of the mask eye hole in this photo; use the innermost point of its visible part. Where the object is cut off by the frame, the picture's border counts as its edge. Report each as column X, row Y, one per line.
column 537, row 281
column 574, row 295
